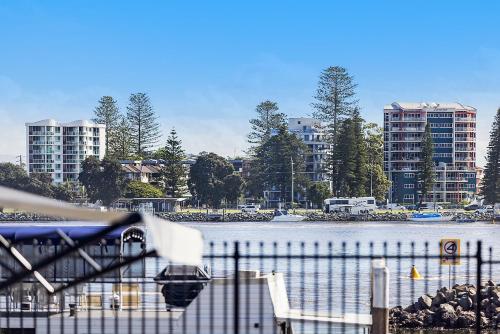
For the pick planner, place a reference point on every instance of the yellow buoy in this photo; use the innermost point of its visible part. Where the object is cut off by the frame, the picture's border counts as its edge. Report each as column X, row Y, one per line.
column 414, row 274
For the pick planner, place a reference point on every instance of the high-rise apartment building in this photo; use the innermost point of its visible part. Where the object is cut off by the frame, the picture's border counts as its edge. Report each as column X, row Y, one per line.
column 59, row 148
column 453, row 128
column 312, row 134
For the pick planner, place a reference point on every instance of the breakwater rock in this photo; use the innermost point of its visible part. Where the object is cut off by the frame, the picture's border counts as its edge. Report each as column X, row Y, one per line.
column 267, row 216
column 450, row 309
column 21, row 216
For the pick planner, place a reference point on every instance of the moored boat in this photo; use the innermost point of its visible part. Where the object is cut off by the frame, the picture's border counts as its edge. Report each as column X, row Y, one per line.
column 284, row 216
column 429, row 217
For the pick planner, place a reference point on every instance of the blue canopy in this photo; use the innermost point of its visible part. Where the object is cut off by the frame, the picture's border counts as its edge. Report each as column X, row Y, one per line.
column 30, row 232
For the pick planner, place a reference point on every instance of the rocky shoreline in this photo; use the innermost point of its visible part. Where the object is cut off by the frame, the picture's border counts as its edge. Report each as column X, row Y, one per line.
column 450, row 309
column 257, row 217
column 310, row 216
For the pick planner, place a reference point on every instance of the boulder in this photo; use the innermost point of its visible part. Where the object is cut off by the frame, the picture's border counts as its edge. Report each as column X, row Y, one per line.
column 450, row 295
column 439, row 299
column 446, row 308
column 465, row 303
column 466, row 320
column 425, row 302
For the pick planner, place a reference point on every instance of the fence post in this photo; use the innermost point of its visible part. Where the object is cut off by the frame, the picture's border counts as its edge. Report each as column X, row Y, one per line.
column 236, row 287
column 479, row 263
column 380, row 297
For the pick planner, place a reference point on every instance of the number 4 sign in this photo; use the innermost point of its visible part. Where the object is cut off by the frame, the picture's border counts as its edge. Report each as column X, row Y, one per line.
column 450, row 252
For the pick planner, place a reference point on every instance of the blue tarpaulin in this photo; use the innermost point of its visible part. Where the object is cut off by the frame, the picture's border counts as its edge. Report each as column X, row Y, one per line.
column 30, row 232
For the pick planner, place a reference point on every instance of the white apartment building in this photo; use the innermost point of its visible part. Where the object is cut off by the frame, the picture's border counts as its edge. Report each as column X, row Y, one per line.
column 312, row 134
column 59, row 148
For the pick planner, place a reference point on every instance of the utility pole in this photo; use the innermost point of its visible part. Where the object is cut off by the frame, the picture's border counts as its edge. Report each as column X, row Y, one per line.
column 291, row 160
column 20, row 158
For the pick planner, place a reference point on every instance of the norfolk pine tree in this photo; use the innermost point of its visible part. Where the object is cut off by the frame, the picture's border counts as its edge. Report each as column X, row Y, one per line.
column 426, row 174
column 107, row 113
column 491, row 180
column 145, row 129
column 121, row 147
column 173, row 172
column 335, row 99
column 268, row 118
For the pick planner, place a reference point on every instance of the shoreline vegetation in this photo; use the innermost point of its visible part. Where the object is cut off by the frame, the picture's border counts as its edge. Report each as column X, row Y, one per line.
column 265, row 216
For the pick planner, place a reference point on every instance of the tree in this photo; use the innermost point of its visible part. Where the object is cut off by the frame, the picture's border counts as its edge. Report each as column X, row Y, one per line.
column 173, row 172
column 342, row 161
column 378, row 183
column 361, row 164
column 317, row 192
column 138, row 189
column 233, row 187
column 272, row 165
column 113, row 181
column 13, row 176
column 64, row 192
column 268, row 118
column 491, row 180
column 145, row 129
column 121, row 147
column 103, row 180
column 90, row 177
column 335, row 98
column 206, row 178
column 426, row 174
column 107, row 113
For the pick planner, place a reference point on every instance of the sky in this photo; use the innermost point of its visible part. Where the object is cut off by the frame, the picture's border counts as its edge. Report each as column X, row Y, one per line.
column 207, row 64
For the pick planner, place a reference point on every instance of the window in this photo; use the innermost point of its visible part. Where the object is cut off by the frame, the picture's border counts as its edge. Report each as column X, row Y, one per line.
column 409, row 175
column 442, row 135
column 408, row 197
column 409, row 186
column 440, row 125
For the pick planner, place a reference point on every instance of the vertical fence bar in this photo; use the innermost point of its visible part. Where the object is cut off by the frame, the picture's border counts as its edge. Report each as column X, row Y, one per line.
column 236, row 287
column 479, row 262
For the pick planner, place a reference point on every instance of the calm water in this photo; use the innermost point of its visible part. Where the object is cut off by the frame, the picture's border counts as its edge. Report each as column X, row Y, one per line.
column 343, row 285
column 312, row 282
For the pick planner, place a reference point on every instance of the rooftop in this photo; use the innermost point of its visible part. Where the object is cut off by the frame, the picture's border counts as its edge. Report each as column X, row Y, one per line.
column 428, row 106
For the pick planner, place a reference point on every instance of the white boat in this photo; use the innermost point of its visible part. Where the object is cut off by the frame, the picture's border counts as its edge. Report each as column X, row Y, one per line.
column 283, row 216
column 429, row 217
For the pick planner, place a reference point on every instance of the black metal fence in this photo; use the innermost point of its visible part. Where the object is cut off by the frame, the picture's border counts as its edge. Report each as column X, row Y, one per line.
column 243, row 287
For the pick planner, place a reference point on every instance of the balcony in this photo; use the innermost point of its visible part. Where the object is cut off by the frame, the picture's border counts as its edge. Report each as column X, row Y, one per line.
column 37, row 133
column 465, row 119
column 465, row 129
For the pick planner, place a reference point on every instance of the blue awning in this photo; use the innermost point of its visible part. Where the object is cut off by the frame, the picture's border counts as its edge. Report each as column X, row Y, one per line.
column 30, row 232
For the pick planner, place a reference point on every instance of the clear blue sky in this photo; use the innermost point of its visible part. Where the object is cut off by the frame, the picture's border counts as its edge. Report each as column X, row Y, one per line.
column 207, row 64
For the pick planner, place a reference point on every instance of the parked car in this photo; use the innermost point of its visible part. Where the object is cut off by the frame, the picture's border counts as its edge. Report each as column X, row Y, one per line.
column 394, row 206
column 249, row 208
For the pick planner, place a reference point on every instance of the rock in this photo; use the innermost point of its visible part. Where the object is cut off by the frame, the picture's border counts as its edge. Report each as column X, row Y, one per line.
column 484, row 304
column 439, row 299
column 466, row 320
column 450, row 295
column 460, row 288
column 465, row 303
column 446, row 308
column 425, row 302
column 495, row 294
